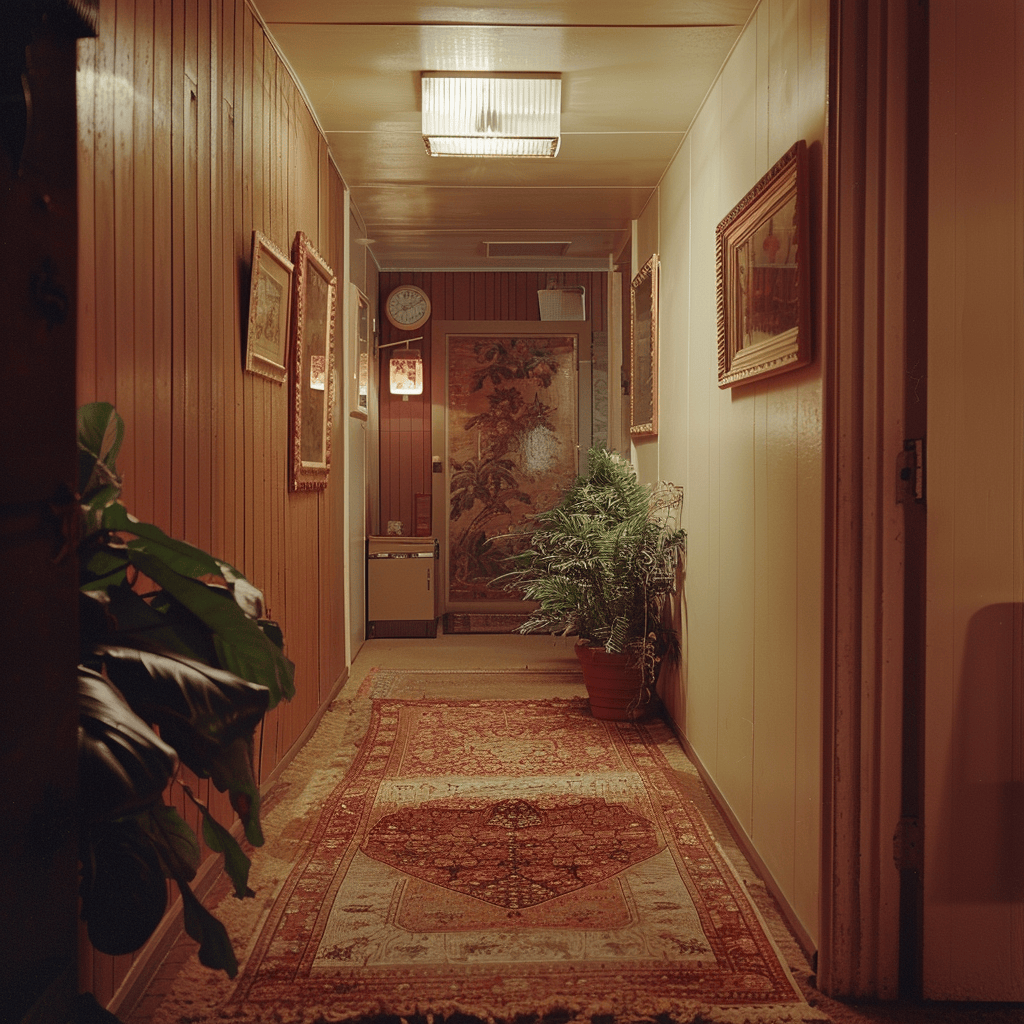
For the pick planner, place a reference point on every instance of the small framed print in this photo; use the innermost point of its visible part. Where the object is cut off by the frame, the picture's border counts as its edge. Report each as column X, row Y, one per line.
column 764, row 261
column 270, row 299
column 312, row 402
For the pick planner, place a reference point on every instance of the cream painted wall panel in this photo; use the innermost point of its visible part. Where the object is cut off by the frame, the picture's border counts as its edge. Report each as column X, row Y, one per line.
column 704, row 540
column 775, row 685
column 674, row 308
column 735, row 411
column 737, row 569
column 751, row 695
column 783, row 112
column 974, row 893
column 809, row 640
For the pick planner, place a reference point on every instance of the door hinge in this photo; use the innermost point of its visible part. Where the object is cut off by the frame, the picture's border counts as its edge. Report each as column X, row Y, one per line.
column 908, row 845
column 910, row 471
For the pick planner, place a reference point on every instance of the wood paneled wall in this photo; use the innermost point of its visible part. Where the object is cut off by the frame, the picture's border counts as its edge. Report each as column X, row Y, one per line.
column 405, row 425
column 191, row 134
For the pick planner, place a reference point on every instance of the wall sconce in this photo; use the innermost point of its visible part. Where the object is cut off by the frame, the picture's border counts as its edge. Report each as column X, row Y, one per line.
column 477, row 114
column 405, row 376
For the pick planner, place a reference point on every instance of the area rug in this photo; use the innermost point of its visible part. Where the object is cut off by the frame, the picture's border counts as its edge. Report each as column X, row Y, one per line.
column 473, row 684
column 506, row 859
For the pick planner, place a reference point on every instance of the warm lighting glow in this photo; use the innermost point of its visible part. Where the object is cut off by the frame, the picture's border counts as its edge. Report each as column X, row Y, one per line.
column 475, row 114
column 406, row 372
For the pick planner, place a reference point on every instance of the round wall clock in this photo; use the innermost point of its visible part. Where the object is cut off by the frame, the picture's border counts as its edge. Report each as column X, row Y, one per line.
column 408, row 307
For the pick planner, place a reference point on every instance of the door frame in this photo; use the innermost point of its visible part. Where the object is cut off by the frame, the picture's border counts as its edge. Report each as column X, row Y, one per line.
column 868, row 945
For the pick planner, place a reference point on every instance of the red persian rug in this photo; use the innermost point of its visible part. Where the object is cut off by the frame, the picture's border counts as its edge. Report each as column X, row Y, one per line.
column 504, row 858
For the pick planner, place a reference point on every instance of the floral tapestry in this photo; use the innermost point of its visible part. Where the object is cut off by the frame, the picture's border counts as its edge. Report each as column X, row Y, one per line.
column 512, row 428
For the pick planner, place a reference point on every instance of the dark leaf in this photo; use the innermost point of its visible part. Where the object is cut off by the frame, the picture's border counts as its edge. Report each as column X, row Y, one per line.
column 215, row 950
column 272, row 631
column 124, row 894
column 155, row 625
column 173, row 839
column 220, row 840
column 201, row 711
column 122, row 763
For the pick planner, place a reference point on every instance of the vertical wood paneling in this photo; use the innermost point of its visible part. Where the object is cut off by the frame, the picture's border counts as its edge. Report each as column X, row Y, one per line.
column 192, row 133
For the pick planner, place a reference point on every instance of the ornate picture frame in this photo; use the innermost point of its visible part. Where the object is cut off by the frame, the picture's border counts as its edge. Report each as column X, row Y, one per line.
column 763, row 256
column 270, row 303
column 313, row 387
column 643, row 347
column 360, row 329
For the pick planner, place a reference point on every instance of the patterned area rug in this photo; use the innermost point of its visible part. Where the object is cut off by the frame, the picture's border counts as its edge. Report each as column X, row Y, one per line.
column 504, row 858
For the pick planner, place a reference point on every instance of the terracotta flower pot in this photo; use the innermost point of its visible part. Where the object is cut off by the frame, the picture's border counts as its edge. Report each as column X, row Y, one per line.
column 614, row 684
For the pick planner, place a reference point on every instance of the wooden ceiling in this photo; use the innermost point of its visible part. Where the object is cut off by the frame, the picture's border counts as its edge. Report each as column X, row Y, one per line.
column 633, row 77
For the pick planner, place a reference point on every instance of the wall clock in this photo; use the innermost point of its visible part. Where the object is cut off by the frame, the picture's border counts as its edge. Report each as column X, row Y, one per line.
column 408, row 307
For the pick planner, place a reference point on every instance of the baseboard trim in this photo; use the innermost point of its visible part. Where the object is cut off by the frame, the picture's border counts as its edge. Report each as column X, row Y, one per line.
column 745, row 844
column 148, row 960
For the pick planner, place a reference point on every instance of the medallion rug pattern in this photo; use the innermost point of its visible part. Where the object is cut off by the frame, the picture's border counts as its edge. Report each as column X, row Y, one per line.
column 511, row 857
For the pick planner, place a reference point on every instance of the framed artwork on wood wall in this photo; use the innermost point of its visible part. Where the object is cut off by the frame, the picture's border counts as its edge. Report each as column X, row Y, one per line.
column 763, row 250
column 360, row 376
column 643, row 376
column 270, row 299
column 312, row 396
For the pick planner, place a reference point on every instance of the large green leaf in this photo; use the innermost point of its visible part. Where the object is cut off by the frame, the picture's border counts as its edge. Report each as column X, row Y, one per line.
column 122, row 763
column 173, row 839
column 215, row 949
column 100, row 433
column 220, row 840
column 176, row 554
column 241, row 646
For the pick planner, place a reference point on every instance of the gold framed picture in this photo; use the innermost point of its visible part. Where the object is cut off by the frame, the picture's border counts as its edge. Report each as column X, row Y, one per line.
column 312, row 403
column 270, row 298
column 763, row 249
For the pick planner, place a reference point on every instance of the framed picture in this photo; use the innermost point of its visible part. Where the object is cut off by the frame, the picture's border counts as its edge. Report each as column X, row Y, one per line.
column 312, row 401
column 360, row 373
column 270, row 299
column 764, row 318
column 643, row 377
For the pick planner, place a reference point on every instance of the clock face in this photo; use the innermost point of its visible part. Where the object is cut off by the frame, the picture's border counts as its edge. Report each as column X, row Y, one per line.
column 408, row 307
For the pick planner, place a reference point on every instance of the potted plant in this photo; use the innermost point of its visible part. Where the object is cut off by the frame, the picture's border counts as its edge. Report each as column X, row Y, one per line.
column 178, row 665
column 600, row 565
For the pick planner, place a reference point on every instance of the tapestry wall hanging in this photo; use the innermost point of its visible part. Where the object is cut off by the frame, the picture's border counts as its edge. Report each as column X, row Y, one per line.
column 512, row 448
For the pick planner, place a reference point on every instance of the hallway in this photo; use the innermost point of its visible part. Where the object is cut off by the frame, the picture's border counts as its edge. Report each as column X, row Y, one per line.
column 174, row 994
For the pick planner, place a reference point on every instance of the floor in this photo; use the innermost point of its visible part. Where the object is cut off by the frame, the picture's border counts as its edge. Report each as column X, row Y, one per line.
column 483, row 651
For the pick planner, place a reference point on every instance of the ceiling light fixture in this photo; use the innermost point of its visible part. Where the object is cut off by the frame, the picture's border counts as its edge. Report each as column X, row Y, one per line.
column 478, row 114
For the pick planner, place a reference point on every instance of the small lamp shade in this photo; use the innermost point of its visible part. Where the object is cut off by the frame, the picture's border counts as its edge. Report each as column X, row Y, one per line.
column 406, row 376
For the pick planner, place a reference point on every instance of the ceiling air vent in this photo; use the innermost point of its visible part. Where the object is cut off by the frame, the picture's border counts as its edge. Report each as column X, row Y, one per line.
column 529, row 250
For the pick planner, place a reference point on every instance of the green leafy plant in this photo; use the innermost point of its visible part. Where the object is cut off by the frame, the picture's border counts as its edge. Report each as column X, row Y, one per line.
column 602, row 562
column 178, row 665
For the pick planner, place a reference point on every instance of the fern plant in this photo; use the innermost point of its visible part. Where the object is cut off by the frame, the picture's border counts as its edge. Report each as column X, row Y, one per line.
column 602, row 562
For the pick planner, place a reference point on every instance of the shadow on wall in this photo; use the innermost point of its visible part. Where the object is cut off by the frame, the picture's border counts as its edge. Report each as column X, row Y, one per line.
column 981, row 823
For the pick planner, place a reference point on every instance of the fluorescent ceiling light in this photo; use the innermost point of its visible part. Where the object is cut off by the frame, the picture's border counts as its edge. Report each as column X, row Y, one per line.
column 476, row 114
